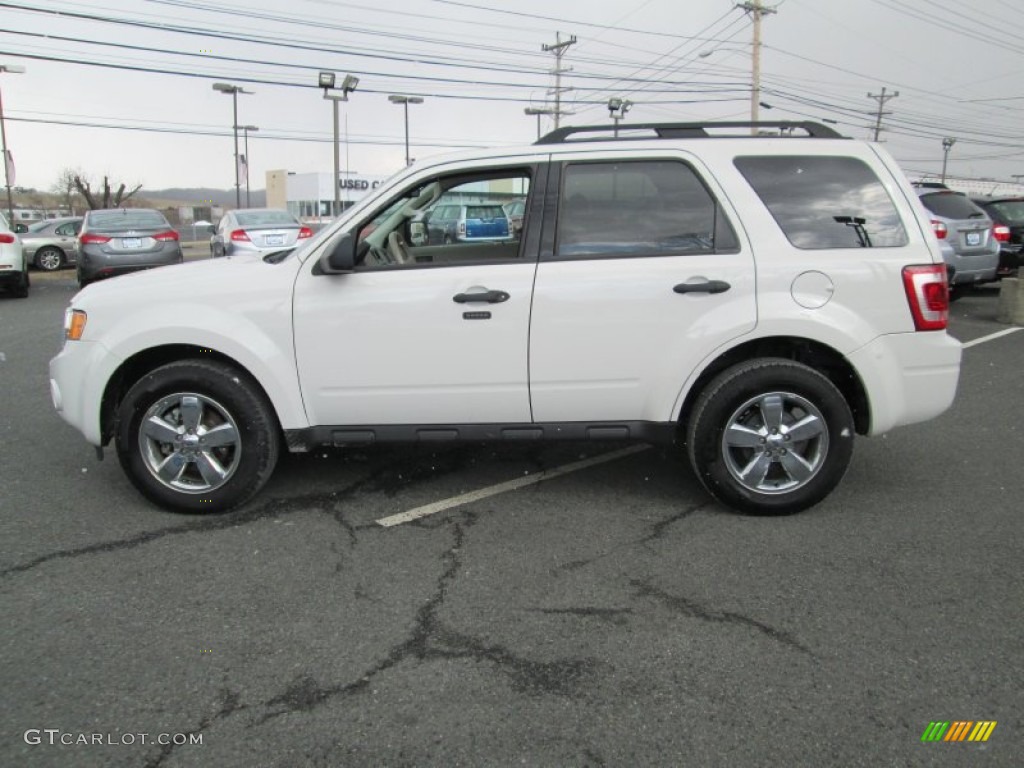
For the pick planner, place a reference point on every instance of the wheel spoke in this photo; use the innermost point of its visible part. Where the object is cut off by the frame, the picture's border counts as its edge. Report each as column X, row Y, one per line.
column 739, row 436
column 191, row 412
column 754, row 473
column 796, row 466
column 771, row 411
column 808, row 427
column 211, row 470
column 220, row 436
column 157, row 429
column 172, row 467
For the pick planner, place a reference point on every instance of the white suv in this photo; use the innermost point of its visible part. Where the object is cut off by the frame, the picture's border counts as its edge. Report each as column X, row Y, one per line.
column 13, row 266
column 759, row 298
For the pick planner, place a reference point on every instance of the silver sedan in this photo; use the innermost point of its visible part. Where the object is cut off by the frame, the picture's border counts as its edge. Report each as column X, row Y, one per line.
column 52, row 244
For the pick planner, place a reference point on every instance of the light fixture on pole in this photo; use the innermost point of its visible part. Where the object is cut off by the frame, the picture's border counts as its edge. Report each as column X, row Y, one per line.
column 245, row 132
column 234, row 90
column 405, row 101
column 538, row 111
column 617, row 109
column 8, row 159
column 947, row 144
column 349, row 84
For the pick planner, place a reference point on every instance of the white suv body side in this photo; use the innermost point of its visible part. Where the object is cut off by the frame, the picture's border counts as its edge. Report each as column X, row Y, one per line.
column 567, row 346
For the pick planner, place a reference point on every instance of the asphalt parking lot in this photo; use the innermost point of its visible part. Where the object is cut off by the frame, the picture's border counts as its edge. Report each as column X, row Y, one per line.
column 610, row 616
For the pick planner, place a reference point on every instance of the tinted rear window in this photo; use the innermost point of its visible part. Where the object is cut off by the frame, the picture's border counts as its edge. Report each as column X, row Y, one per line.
column 1010, row 210
column 265, row 219
column 951, row 205
column 484, row 212
column 121, row 221
column 825, row 202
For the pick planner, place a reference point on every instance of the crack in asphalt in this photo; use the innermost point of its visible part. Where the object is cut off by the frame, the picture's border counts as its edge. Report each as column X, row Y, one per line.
column 430, row 640
column 657, row 532
column 695, row 610
column 229, row 704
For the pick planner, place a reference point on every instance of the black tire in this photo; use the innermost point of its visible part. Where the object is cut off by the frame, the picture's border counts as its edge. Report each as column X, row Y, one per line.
column 50, row 259
column 20, row 288
column 223, row 402
column 957, row 292
column 796, row 473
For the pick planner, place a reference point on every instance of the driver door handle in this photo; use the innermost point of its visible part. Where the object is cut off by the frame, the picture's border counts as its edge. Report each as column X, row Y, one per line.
column 488, row 297
column 708, row 286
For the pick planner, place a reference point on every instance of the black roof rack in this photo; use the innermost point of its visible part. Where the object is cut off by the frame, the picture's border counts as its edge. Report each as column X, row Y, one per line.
column 684, row 131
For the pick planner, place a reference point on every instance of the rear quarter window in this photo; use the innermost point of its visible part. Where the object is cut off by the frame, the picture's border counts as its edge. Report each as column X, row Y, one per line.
column 825, row 202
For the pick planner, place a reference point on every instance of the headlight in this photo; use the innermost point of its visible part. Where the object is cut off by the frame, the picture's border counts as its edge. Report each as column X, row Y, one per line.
column 74, row 324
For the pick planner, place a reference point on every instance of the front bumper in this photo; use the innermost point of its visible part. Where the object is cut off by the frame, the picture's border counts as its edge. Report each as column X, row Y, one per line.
column 78, row 379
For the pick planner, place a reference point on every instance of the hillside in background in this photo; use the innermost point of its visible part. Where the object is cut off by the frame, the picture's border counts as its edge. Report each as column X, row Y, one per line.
column 201, row 196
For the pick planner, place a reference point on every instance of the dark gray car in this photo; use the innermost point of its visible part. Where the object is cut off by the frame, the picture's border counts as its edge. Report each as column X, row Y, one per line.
column 115, row 241
column 52, row 244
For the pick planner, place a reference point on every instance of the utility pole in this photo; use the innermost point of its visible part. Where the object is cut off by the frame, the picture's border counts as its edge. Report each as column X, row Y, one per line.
column 559, row 50
column 881, row 98
column 756, row 12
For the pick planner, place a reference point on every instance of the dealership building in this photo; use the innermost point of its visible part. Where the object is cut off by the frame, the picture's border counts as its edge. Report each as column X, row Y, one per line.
column 310, row 196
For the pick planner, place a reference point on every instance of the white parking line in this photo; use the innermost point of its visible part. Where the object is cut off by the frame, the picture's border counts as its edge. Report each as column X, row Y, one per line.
column 511, row 485
column 990, row 337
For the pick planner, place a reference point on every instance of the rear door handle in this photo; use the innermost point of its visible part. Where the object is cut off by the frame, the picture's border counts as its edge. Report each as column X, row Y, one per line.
column 708, row 286
column 486, row 297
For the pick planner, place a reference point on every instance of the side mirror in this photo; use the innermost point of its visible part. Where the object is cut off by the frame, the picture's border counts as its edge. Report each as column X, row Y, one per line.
column 341, row 258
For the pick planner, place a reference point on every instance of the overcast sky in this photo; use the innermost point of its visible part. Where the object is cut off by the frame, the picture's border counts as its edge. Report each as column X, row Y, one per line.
column 149, row 114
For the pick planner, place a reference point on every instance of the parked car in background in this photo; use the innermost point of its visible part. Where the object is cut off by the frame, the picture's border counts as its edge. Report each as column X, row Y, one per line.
column 114, row 241
column 52, row 244
column 257, row 230
column 1007, row 212
column 13, row 267
column 515, row 211
column 476, row 223
column 973, row 240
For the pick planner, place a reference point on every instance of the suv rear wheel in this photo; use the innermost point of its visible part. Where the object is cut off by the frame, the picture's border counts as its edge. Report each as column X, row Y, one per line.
column 196, row 436
column 770, row 436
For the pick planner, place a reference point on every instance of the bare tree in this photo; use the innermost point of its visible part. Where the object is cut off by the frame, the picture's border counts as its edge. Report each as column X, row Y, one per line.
column 65, row 189
column 103, row 197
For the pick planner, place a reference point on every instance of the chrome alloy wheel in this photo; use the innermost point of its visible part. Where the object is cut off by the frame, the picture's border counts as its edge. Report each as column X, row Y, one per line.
column 190, row 443
column 775, row 442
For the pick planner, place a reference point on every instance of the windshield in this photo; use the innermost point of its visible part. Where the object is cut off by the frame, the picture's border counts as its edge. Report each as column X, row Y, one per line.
column 39, row 226
column 122, row 221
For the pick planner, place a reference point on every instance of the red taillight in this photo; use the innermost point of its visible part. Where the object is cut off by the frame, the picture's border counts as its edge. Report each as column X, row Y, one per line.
column 940, row 229
column 165, row 236
column 928, row 295
column 5, row 238
column 88, row 238
column 240, row 236
column 1001, row 232
column 305, row 232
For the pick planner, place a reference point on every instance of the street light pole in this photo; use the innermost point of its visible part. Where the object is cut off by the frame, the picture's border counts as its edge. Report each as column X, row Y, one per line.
column 326, row 81
column 245, row 133
column 947, row 144
column 405, row 101
column 234, row 90
column 14, row 70
column 617, row 109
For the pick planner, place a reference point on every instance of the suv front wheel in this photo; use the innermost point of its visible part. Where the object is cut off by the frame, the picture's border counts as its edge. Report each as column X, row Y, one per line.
column 770, row 436
column 197, row 436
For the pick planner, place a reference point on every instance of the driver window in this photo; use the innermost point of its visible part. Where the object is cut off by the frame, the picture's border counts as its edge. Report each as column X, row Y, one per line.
column 455, row 220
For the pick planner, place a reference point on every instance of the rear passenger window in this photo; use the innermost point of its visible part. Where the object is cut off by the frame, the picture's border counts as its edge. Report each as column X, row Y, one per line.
column 648, row 208
column 825, row 202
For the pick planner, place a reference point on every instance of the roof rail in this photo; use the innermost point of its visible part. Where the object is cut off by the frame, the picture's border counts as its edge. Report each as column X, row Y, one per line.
column 684, row 130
